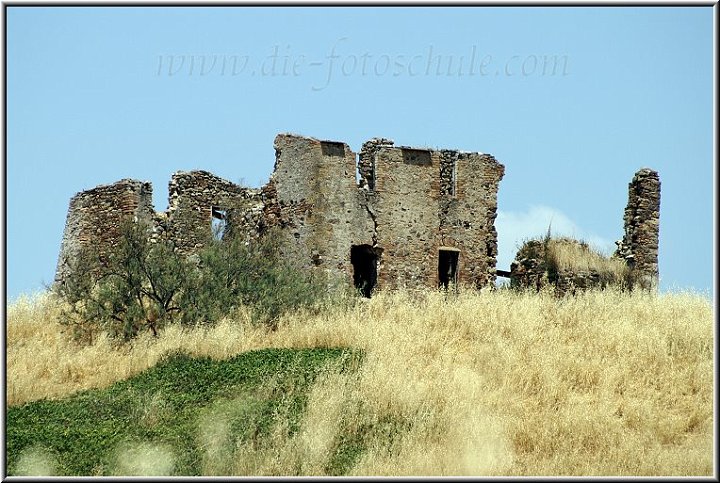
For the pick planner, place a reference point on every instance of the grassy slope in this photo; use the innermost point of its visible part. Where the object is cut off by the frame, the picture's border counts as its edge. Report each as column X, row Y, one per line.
column 605, row 383
column 94, row 432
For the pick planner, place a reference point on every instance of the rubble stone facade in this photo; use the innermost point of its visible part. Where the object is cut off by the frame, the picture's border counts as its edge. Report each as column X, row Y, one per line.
column 198, row 197
column 95, row 217
column 639, row 246
column 392, row 217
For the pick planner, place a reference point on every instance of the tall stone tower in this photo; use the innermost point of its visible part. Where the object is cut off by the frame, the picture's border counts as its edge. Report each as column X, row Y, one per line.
column 639, row 246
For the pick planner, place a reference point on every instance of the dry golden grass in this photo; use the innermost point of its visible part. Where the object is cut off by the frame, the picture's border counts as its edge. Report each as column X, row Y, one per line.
column 603, row 383
column 578, row 256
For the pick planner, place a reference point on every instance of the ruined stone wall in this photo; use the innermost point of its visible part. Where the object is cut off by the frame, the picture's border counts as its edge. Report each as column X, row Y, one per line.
column 534, row 268
column 366, row 161
column 405, row 203
column 312, row 196
column 427, row 200
column 638, row 249
column 193, row 194
column 95, row 217
column 394, row 208
column 639, row 246
column 468, row 208
column 409, row 203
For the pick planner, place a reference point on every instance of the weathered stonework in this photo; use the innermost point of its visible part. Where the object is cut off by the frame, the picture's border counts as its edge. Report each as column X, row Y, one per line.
column 418, row 213
column 639, row 246
column 638, row 249
column 533, row 268
column 193, row 196
column 528, row 270
column 95, row 217
column 392, row 217
column 312, row 196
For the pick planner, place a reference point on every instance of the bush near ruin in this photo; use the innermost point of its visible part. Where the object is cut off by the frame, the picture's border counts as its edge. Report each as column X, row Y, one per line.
column 145, row 284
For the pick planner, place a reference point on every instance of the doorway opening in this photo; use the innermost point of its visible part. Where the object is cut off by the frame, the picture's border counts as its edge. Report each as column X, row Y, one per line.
column 364, row 260
column 447, row 267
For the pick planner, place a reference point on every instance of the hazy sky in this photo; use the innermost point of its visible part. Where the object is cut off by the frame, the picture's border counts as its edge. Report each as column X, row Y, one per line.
column 573, row 101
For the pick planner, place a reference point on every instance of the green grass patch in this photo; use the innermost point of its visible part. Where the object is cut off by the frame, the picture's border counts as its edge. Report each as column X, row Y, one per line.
column 155, row 421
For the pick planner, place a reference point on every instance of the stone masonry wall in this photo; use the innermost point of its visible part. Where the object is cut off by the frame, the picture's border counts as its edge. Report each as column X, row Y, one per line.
column 533, row 269
column 427, row 200
column 405, row 204
column 468, row 208
column 395, row 206
column 639, row 246
column 192, row 195
column 95, row 217
column 366, row 161
column 312, row 196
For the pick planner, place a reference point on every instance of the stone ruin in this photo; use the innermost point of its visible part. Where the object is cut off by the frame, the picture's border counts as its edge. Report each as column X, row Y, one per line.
column 636, row 254
column 537, row 265
column 387, row 217
column 639, row 245
column 390, row 217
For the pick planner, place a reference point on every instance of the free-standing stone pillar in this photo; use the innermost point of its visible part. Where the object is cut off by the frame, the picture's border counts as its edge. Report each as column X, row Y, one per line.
column 639, row 246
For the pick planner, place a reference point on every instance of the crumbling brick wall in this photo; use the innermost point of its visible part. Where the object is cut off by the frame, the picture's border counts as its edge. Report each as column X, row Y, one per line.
column 366, row 161
column 639, row 246
column 400, row 209
column 95, row 217
column 390, row 216
column 426, row 201
column 468, row 208
column 405, row 206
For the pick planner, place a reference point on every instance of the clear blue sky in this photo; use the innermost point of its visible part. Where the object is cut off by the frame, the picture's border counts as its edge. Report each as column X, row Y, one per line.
column 99, row 94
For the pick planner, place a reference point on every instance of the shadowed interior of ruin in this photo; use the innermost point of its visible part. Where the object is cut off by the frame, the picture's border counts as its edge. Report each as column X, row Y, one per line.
column 364, row 261
column 416, row 156
column 329, row 148
column 447, row 267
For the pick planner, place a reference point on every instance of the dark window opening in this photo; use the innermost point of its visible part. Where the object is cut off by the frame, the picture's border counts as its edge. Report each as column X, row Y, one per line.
column 447, row 267
column 417, row 156
column 330, row 148
column 364, row 261
column 219, row 222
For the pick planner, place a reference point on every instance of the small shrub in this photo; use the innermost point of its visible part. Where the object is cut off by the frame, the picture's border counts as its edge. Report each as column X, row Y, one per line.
column 144, row 284
column 236, row 273
column 134, row 287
